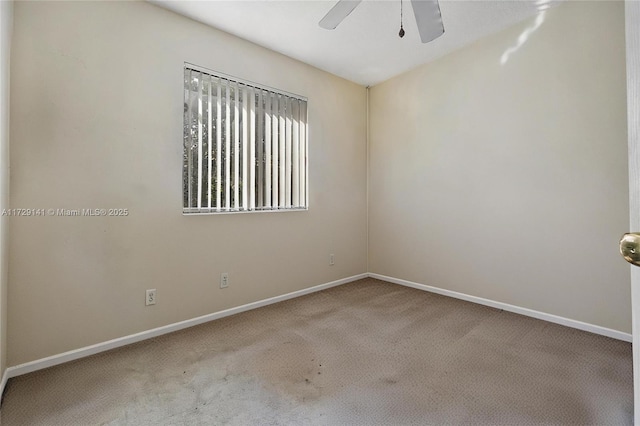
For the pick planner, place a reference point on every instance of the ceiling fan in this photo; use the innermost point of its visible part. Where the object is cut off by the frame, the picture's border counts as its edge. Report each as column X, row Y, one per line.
column 427, row 13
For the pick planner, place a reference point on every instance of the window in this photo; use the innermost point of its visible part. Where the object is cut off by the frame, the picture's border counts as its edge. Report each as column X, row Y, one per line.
column 245, row 146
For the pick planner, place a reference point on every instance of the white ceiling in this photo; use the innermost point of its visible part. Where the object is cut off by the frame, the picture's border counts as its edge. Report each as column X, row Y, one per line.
column 365, row 48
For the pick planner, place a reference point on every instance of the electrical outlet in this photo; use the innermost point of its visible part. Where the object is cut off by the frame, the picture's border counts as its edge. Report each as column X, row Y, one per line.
column 332, row 260
column 224, row 280
column 151, row 297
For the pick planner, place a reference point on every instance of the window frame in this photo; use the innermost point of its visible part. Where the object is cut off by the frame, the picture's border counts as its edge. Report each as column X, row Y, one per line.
column 196, row 211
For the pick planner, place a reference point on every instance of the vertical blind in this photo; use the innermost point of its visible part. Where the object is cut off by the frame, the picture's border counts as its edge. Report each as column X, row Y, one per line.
column 245, row 146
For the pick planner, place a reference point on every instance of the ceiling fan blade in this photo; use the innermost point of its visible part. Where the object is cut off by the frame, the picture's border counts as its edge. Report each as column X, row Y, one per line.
column 338, row 12
column 428, row 18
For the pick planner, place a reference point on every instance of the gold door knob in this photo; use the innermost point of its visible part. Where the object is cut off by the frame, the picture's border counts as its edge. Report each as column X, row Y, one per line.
column 630, row 248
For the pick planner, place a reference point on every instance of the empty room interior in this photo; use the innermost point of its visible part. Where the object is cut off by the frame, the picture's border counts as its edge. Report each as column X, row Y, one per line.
column 315, row 212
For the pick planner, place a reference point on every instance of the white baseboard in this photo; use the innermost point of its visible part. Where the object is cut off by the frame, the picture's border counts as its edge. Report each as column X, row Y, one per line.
column 144, row 335
column 615, row 334
column 3, row 383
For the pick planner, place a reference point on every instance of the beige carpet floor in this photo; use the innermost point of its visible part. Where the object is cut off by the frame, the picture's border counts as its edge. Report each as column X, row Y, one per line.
column 369, row 353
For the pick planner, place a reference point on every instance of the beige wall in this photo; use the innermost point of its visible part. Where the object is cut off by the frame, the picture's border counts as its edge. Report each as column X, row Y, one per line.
column 96, row 122
column 509, row 181
column 503, row 181
column 6, row 25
